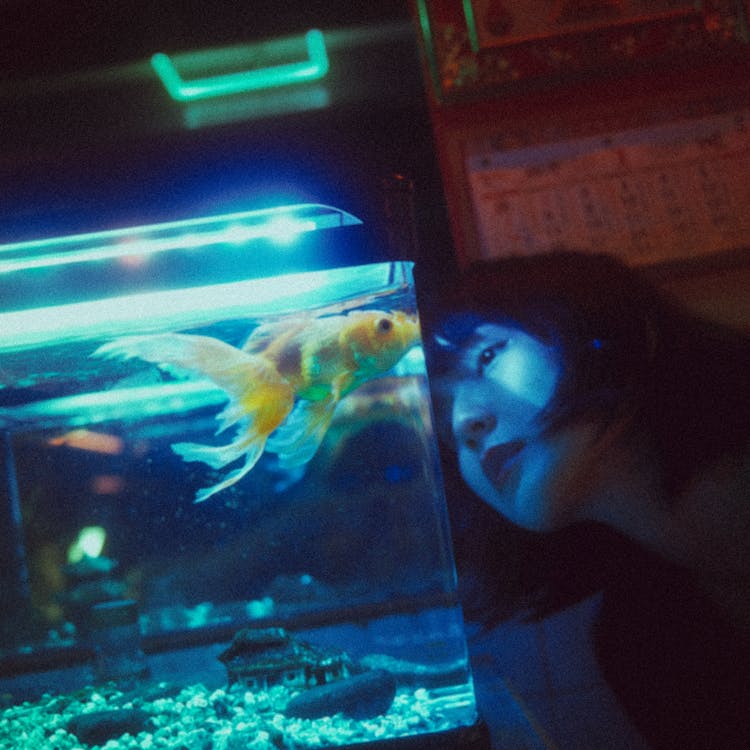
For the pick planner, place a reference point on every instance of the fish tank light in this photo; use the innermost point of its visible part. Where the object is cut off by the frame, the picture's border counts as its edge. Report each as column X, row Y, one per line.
column 159, row 257
column 220, row 494
column 280, row 224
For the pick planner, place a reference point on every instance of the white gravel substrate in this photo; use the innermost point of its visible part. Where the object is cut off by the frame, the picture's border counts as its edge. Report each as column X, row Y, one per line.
column 198, row 719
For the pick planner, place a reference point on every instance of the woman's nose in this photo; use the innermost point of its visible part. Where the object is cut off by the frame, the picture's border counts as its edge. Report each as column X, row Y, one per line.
column 471, row 427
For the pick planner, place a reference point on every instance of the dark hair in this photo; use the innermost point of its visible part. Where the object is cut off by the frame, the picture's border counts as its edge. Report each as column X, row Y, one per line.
column 626, row 349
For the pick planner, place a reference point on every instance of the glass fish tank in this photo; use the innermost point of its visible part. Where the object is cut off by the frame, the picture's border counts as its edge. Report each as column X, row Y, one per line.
column 221, row 507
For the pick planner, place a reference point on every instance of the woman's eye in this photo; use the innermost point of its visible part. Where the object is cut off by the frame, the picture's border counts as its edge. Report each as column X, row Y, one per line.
column 486, row 356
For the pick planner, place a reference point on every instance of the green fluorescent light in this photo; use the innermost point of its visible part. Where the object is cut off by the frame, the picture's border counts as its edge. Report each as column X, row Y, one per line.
column 281, row 225
column 429, row 47
column 314, row 68
column 471, row 25
column 85, row 409
column 255, row 105
column 155, row 310
column 180, row 309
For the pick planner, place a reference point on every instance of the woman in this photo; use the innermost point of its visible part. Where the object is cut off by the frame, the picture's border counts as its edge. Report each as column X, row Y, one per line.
column 587, row 408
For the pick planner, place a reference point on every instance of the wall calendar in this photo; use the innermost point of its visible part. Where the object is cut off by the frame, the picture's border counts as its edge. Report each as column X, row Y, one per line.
column 665, row 192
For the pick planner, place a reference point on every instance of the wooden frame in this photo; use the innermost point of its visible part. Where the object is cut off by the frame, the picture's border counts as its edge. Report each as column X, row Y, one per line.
column 476, row 46
column 643, row 162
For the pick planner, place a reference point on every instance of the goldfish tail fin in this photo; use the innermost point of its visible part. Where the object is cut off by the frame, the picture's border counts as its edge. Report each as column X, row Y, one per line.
column 215, row 456
column 259, row 399
column 298, row 439
column 220, row 456
column 232, row 413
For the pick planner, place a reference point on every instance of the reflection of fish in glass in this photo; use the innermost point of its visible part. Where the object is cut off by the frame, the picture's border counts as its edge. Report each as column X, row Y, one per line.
column 287, row 380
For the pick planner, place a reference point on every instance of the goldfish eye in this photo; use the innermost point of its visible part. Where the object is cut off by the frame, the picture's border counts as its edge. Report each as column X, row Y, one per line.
column 384, row 325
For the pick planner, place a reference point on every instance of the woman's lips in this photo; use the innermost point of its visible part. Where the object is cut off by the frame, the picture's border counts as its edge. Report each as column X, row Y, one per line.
column 498, row 461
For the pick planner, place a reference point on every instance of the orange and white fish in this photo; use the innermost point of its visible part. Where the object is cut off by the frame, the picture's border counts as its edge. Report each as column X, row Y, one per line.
column 283, row 385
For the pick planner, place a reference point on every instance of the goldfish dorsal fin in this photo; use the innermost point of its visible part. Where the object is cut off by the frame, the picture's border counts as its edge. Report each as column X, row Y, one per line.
column 271, row 333
column 230, row 368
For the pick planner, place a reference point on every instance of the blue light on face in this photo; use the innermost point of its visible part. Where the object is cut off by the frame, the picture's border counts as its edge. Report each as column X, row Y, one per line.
column 456, row 330
column 528, row 374
column 523, row 366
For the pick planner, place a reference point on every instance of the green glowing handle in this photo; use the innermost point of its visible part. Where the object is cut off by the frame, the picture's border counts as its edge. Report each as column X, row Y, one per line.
column 314, row 68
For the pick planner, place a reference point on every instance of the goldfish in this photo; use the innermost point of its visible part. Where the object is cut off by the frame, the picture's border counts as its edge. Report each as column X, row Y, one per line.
column 282, row 385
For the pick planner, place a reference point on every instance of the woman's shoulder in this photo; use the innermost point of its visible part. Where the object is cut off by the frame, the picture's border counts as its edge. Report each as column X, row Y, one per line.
column 713, row 517
column 676, row 663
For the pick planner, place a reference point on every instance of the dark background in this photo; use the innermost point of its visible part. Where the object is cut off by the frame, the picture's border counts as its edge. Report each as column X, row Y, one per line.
column 90, row 139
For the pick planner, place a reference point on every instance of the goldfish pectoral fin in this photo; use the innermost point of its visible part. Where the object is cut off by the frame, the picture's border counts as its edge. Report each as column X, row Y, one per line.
column 296, row 426
column 297, row 441
column 301, row 452
column 252, row 455
column 289, row 478
column 342, row 384
column 291, row 430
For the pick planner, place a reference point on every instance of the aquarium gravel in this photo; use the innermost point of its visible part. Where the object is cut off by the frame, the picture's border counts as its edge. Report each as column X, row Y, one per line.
column 195, row 718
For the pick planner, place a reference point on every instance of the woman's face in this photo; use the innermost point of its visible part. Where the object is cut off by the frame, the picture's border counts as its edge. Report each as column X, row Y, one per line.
column 503, row 381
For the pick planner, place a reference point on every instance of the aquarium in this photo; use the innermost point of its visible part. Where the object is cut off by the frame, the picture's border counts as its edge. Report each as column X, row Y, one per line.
column 222, row 513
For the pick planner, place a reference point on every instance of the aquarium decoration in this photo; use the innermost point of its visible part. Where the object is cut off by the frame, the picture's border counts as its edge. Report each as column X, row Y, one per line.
column 88, row 545
column 271, row 656
column 221, row 494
